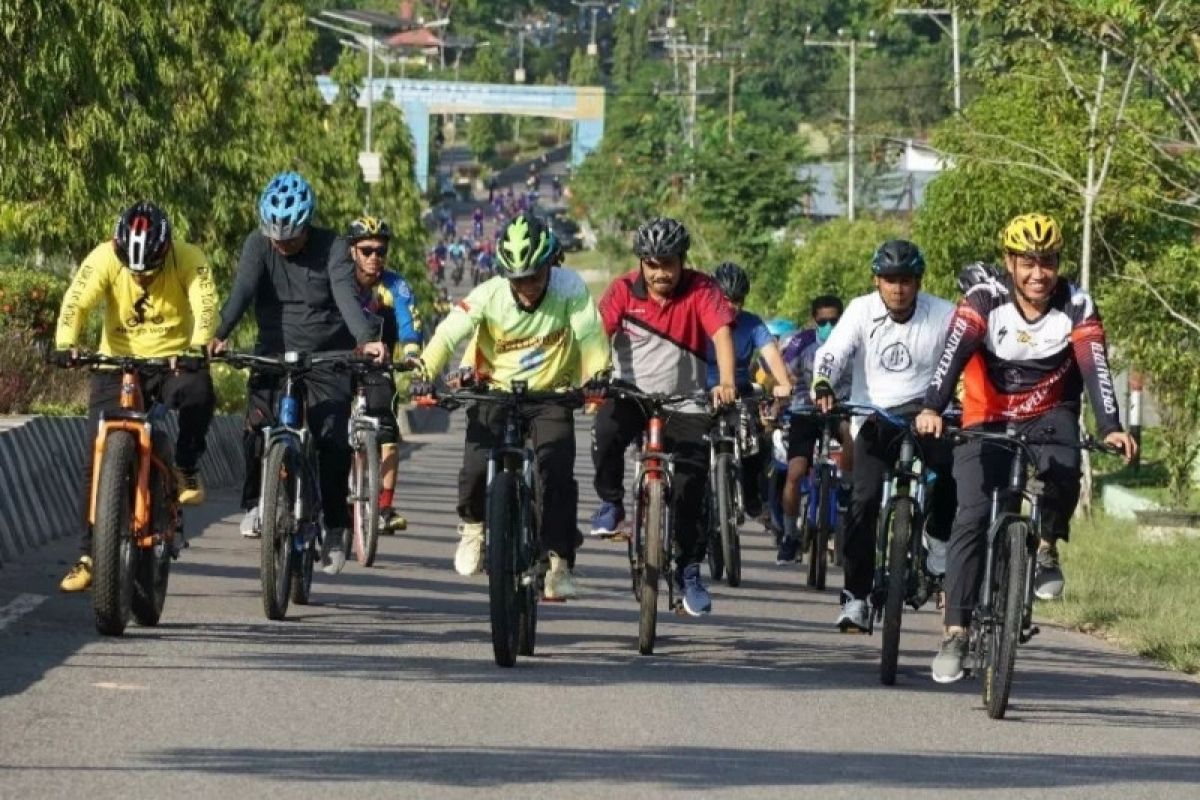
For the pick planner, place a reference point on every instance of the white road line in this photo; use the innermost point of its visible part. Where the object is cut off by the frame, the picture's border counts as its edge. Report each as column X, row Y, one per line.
column 22, row 605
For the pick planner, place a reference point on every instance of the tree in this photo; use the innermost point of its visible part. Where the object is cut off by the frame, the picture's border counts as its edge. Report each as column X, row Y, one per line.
column 584, row 71
column 485, row 130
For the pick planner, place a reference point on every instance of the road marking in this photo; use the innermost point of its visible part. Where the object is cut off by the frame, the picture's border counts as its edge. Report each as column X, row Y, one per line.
column 123, row 687
column 22, row 605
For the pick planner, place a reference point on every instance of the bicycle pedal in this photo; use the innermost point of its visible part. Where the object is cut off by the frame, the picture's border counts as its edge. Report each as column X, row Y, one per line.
column 546, row 599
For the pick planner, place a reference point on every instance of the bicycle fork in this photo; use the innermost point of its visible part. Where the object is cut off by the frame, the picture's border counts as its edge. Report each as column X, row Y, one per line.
column 654, row 466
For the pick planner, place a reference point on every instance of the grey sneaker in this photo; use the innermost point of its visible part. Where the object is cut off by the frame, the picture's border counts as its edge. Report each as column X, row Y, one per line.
column 560, row 581
column 250, row 526
column 854, row 615
column 334, row 558
column 1048, row 576
column 948, row 663
column 935, row 561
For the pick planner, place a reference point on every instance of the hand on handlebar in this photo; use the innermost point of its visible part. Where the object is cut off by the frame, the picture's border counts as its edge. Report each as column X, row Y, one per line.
column 929, row 423
column 724, row 394
column 1126, row 443
column 216, row 346
column 461, row 378
column 376, row 350
column 782, row 391
column 595, row 389
column 823, row 396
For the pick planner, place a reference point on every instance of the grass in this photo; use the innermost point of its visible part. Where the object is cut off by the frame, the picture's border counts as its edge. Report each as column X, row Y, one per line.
column 598, row 268
column 1141, row 596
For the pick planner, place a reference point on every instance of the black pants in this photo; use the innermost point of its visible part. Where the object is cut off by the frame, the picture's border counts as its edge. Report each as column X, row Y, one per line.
column 618, row 423
column 326, row 400
column 381, row 391
column 552, row 430
column 754, row 465
column 980, row 467
column 875, row 450
column 189, row 393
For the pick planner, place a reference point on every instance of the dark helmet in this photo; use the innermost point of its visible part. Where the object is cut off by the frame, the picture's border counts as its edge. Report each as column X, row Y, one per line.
column 733, row 280
column 142, row 237
column 898, row 257
column 975, row 273
column 368, row 227
column 661, row 237
column 525, row 247
column 557, row 256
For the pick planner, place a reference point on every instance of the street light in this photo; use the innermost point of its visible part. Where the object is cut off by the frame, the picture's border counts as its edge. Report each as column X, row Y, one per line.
column 595, row 6
column 936, row 14
column 519, row 27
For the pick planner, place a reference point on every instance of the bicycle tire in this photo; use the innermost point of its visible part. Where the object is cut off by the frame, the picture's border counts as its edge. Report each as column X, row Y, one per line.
column 527, row 604
column 716, row 556
column 303, row 564
column 818, row 546
column 899, row 547
column 276, row 551
column 731, row 547
column 503, row 598
column 1010, row 586
column 652, row 565
column 365, row 485
column 113, row 553
column 154, row 563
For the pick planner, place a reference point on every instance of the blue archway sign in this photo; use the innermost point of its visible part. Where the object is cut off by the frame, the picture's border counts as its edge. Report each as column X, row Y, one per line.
column 582, row 105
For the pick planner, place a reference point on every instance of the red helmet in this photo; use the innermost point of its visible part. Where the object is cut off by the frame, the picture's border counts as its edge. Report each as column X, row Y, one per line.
column 143, row 237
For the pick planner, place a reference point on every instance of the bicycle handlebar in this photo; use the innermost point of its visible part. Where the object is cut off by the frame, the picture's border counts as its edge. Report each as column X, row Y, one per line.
column 656, row 399
column 569, row 398
column 298, row 362
column 127, row 363
column 1026, row 442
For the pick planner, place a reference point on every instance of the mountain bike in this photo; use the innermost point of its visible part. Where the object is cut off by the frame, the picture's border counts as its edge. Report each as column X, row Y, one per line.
column 137, row 524
column 512, row 537
column 818, row 519
column 290, row 498
column 1003, row 617
column 725, row 504
column 651, row 545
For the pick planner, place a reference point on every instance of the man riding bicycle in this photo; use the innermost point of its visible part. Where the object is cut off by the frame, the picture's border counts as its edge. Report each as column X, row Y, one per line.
column 750, row 337
column 893, row 337
column 800, row 357
column 159, row 301
column 1026, row 345
column 300, row 280
column 387, row 299
column 536, row 324
column 661, row 317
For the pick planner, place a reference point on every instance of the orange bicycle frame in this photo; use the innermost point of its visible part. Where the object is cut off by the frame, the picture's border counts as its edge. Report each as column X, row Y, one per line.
column 131, row 400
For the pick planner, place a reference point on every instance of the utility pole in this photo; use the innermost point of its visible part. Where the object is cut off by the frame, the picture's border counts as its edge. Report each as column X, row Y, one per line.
column 936, row 14
column 852, row 46
column 694, row 53
column 519, row 74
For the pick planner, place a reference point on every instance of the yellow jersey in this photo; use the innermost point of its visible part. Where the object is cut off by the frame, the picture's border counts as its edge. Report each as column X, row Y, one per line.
column 174, row 311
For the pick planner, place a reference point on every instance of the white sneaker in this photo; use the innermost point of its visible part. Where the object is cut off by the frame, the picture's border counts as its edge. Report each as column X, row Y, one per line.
column 468, row 558
column 560, row 582
column 854, row 614
column 333, row 560
column 250, row 527
column 935, row 561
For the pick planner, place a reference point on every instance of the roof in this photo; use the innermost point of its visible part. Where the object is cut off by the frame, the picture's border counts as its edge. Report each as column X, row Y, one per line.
column 383, row 22
column 417, row 37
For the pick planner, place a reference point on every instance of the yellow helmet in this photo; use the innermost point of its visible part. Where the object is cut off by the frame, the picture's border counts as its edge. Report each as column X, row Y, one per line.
column 1033, row 234
column 368, row 227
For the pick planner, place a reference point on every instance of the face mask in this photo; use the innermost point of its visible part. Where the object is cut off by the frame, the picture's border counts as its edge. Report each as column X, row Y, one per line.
column 823, row 331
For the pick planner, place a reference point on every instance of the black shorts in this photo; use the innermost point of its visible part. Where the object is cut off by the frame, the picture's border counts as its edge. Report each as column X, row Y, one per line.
column 802, row 437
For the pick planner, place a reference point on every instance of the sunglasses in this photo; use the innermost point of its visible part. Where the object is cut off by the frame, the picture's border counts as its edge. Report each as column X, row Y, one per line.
column 367, row 252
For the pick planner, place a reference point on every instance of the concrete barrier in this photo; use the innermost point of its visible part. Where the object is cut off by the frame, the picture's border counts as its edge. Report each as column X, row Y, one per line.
column 40, row 463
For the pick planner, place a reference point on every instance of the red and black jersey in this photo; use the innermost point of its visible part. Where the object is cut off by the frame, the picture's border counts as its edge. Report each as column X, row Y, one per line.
column 661, row 346
column 1015, row 368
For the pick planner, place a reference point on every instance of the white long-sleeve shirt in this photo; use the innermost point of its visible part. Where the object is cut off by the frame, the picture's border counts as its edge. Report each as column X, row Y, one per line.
column 893, row 362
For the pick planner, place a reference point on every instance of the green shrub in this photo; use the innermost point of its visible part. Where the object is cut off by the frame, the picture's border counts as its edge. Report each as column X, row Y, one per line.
column 29, row 301
column 28, row 384
column 230, row 386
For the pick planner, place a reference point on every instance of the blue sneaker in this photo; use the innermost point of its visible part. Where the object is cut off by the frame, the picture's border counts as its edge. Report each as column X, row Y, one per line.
column 606, row 520
column 696, row 600
column 789, row 549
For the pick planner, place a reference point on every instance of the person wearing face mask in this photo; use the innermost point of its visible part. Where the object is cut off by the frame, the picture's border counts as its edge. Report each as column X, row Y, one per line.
column 891, row 339
column 799, row 355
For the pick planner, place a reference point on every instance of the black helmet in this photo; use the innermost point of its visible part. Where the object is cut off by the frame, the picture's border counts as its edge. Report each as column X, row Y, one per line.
column 733, row 280
column 368, row 227
column 975, row 273
column 898, row 257
column 524, row 248
column 557, row 256
column 661, row 237
column 142, row 237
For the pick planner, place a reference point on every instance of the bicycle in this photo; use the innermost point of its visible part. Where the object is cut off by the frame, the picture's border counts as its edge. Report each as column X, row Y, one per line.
column 512, row 539
column 819, row 495
column 651, row 546
column 137, row 523
column 728, row 441
column 1003, row 617
column 290, row 497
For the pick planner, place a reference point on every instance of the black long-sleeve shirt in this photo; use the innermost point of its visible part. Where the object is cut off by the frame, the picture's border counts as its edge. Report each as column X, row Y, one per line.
column 303, row 302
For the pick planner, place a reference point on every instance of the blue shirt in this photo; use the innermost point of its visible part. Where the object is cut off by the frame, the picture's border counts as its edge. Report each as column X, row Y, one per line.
column 750, row 335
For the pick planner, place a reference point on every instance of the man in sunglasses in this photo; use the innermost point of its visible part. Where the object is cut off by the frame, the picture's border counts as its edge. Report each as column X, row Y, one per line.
column 159, row 301
column 388, row 301
column 300, row 279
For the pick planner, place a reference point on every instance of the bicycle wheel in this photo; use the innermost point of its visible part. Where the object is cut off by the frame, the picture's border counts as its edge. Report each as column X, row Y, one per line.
column 818, row 540
column 716, row 555
column 113, row 551
column 503, row 598
column 303, row 563
column 1008, row 606
column 527, row 604
column 652, row 565
column 731, row 547
column 154, row 563
column 276, row 554
column 365, row 485
column 902, row 513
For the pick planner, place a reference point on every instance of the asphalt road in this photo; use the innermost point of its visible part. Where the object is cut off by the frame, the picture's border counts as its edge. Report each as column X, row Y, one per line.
column 385, row 687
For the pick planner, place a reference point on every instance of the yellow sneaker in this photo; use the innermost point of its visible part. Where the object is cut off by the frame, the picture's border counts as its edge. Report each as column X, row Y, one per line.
column 390, row 521
column 191, row 488
column 79, row 579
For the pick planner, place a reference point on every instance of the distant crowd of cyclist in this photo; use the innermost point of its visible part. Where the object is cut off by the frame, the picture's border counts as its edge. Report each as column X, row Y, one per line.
column 1019, row 348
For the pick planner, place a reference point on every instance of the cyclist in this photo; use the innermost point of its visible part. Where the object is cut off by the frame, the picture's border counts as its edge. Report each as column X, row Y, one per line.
column 300, row 279
column 750, row 337
column 159, row 301
column 539, row 325
column 1026, row 344
column 660, row 318
column 800, row 356
column 441, row 307
column 893, row 337
column 387, row 298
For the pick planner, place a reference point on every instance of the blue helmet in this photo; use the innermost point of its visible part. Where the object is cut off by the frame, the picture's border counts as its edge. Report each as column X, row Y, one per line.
column 286, row 206
column 780, row 327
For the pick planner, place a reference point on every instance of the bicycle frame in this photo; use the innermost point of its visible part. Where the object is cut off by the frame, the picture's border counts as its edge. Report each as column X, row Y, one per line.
column 725, row 440
column 516, row 457
column 1004, row 500
column 654, row 465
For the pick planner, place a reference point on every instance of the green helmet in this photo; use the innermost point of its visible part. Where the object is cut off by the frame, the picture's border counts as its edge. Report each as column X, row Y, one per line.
column 525, row 248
